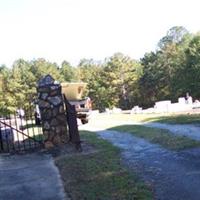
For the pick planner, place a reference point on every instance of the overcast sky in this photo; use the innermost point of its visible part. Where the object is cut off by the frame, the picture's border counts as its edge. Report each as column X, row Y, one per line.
column 69, row 30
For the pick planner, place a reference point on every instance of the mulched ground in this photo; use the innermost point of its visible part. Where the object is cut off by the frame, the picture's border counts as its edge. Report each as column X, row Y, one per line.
column 70, row 149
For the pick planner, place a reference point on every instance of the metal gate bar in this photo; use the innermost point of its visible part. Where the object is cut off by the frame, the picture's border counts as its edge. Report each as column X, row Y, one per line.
column 18, row 134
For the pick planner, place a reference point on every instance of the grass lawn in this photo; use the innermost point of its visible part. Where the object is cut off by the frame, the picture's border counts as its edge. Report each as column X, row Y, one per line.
column 176, row 119
column 162, row 118
column 159, row 136
column 167, row 118
column 99, row 175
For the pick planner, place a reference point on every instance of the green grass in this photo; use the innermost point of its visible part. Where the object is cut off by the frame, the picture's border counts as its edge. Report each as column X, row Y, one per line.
column 112, row 120
column 159, row 136
column 33, row 131
column 99, row 175
column 39, row 137
column 176, row 119
column 162, row 118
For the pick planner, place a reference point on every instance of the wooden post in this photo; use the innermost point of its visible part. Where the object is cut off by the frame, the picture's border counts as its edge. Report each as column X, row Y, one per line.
column 74, row 136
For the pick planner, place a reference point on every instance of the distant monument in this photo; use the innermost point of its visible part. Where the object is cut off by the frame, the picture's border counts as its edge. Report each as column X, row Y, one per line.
column 188, row 99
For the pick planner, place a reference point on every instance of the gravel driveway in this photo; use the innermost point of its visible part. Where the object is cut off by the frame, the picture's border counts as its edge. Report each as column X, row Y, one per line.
column 173, row 175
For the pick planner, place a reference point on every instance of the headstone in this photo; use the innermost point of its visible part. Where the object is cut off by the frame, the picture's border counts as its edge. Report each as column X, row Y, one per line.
column 162, row 106
column 181, row 100
column 189, row 100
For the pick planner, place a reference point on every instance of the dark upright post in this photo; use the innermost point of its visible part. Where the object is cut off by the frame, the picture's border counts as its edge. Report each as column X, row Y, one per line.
column 74, row 136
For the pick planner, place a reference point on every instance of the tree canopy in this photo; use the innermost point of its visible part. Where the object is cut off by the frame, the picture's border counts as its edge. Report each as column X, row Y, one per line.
column 119, row 81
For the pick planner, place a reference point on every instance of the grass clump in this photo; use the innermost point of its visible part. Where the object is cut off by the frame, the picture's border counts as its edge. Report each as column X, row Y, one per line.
column 99, row 174
column 159, row 136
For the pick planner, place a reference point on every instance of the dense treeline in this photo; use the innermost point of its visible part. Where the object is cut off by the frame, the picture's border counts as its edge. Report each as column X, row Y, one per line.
column 168, row 73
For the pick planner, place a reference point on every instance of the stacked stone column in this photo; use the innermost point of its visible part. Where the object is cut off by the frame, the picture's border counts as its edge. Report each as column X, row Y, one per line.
column 51, row 106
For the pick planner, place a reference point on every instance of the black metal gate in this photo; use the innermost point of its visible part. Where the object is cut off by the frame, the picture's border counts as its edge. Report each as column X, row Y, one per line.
column 19, row 133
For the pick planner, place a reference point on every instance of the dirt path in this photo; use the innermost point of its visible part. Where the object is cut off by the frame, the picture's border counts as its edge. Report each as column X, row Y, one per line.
column 173, row 175
column 189, row 130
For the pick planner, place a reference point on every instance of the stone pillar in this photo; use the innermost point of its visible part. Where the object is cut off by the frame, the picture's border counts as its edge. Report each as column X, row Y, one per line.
column 50, row 102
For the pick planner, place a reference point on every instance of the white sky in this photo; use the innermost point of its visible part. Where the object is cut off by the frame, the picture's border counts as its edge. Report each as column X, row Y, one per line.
column 69, row 30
